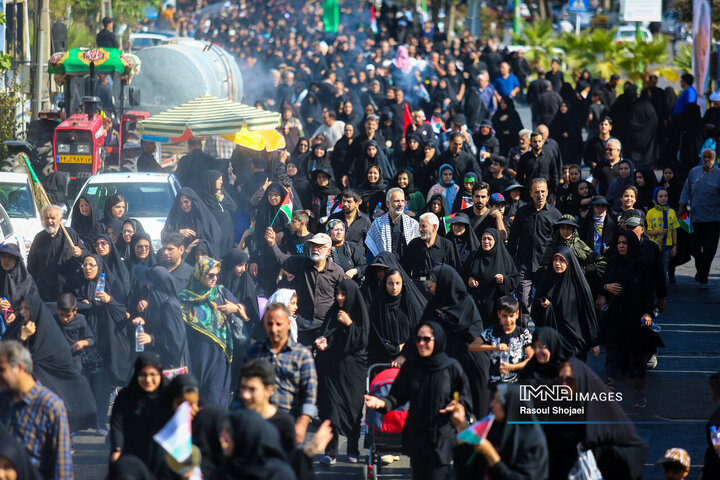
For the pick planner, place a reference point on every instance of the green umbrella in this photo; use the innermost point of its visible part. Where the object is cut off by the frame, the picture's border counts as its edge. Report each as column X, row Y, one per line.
column 83, row 61
column 207, row 115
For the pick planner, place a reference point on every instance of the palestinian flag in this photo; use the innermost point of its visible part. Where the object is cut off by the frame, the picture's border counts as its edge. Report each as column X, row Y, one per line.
column 466, row 203
column 446, row 221
column 478, row 431
column 373, row 20
column 286, row 207
column 437, row 125
column 685, row 223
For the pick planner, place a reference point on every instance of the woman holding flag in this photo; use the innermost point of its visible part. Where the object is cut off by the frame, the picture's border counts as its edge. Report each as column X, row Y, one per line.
column 436, row 387
column 274, row 212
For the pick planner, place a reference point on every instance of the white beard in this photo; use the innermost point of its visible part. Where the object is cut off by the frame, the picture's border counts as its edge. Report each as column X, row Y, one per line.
column 52, row 230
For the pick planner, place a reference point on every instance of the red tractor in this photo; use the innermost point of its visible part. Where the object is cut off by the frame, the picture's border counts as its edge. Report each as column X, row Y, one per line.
column 81, row 147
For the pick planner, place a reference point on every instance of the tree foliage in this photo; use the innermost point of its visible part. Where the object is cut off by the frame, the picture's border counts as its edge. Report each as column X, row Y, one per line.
column 539, row 36
column 5, row 61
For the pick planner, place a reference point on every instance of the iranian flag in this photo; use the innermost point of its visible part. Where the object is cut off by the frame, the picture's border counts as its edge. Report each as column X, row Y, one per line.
column 478, row 431
column 286, row 207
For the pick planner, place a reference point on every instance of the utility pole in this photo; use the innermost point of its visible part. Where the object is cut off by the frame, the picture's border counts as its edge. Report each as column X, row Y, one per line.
column 41, row 54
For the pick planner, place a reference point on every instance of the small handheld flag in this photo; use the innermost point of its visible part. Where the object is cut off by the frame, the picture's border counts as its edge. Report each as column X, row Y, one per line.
column 685, row 223
column 446, row 221
column 176, row 436
column 478, row 431
column 285, row 207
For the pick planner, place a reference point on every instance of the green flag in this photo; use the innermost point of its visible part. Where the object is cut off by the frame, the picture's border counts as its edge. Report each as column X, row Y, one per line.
column 331, row 16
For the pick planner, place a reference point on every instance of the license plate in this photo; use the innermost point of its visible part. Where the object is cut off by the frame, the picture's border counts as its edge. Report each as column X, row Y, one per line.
column 74, row 158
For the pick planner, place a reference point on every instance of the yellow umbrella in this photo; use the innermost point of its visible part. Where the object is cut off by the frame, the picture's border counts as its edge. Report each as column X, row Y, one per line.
column 268, row 140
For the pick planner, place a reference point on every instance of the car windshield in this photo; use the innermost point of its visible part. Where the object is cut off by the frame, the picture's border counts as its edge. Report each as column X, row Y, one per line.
column 143, row 199
column 17, row 200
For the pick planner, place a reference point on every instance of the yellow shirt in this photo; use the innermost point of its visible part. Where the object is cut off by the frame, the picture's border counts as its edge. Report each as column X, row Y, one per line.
column 654, row 218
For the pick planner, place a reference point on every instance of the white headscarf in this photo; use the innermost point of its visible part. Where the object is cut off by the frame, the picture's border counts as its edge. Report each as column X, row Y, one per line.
column 284, row 295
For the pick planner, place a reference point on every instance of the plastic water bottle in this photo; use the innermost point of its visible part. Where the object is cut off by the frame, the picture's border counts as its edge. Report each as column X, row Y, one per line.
column 482, row 153
column 378, row 210
column 655, row 327
column 100, row 286
column 328, row 206
column 138, row 346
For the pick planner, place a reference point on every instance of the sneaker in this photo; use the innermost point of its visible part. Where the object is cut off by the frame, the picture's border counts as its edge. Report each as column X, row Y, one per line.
column 641, row 403
column 352, row 459
column 327, row 460
column 102, row 432
column 652, row 362
column 387, row 459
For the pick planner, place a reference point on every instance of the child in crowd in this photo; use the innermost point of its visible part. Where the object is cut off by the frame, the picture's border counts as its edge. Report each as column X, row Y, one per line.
column 676, row 464
column 662, row 225
column 81, row 341
column 510, row 346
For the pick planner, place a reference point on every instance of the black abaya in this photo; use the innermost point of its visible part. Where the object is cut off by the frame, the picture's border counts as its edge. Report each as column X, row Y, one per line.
column 429, row 384
column 113, row 331
column 572, row 307
column 454, row 310
column 223, row 210
column 393, row 319
column 342, row 365
column 115, row 266
column 643, row 122
column 199, row 219
column 17, row 283
column 483, row 266
column 85, row 225
column 53, row 365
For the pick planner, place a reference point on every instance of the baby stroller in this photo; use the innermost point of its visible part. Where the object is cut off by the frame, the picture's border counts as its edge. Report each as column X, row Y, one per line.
column 382, row 431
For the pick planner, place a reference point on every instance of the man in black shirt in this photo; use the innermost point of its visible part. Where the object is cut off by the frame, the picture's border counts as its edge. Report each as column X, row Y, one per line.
column 536, row 163
column 173, row 250
column 530, row 234
column 495, row 177
column 607, row 170
column 595, row 148
column 555, row 75
column 546, row 106
column 357, row 222
column 191, row 167
column 480, row 216
column 427, row 251
column 105, row 37
column 461, row 161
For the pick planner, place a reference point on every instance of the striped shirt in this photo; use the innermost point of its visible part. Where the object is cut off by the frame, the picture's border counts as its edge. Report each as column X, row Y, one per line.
column 39, row 421
column 295, row 377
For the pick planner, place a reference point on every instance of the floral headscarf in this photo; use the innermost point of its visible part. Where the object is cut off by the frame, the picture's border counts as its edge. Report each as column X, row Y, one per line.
column 199, row 307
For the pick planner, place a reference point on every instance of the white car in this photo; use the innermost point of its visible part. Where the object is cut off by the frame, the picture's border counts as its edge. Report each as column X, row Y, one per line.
column 626, row 33
column 16, row 197
column 8, row 234
column 149, row 197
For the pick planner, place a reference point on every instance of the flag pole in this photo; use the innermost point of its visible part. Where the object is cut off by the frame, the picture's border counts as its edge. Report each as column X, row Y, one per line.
column 39, row 191
column 273, row 220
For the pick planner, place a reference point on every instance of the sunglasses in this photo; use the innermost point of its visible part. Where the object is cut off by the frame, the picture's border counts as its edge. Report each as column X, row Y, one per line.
column 211, row 275
column 421, row 339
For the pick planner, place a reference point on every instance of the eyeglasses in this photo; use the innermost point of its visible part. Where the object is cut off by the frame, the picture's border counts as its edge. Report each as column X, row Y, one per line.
column 126, row 230
column 142, row 247
column 211, row 275
column 421, row 339
column 89, row 265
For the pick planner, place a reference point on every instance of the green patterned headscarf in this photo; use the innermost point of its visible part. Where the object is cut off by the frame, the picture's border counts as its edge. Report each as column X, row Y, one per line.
column 199, row 307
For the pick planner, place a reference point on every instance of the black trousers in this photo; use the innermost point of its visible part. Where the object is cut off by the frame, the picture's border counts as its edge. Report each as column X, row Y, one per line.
column 626, row 364
column 703, row 247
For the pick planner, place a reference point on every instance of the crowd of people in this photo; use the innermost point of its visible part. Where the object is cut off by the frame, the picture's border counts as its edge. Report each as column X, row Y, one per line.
column 414, row 220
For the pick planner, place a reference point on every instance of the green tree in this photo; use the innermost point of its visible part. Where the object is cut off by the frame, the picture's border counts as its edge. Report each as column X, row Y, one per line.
column 640, row 59
column 594, row 50
column 683, row 59
column 5, row 60
column 539, row 36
